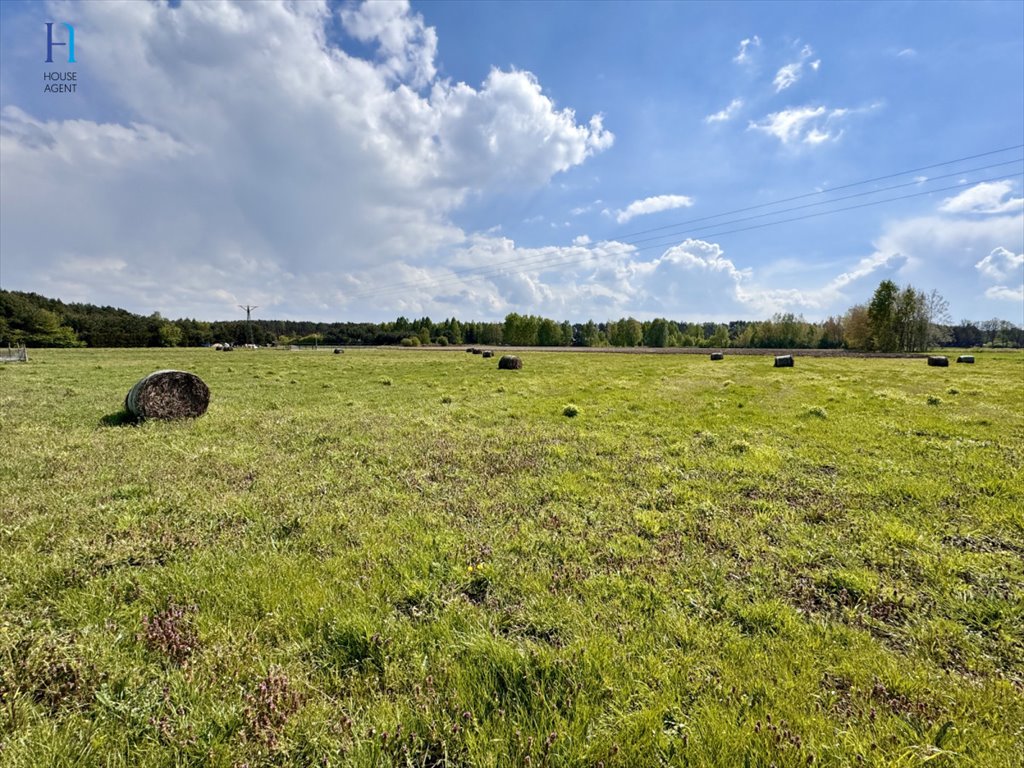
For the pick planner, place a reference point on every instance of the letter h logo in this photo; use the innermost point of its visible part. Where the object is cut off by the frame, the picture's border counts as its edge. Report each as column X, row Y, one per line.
column 50, row 43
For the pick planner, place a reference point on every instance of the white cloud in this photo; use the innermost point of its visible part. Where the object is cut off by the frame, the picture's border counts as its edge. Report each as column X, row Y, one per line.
column 745, row 45
column 406, row 45
column 789, row 74
column 791, row 125
column 1001, row 264
column 907, row 53
column 581, row 240
column 581, row 209
column 652, row 205
column 987, row 197
column 264, row 173
column 1003, row 292
column 726, row 114
column 806, row 125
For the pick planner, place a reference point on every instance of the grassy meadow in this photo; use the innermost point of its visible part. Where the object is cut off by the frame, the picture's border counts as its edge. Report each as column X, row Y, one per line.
column 411, row 558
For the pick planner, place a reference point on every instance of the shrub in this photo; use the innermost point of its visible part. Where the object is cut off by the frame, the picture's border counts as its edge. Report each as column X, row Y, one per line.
column 410, row 341
column 441, row 341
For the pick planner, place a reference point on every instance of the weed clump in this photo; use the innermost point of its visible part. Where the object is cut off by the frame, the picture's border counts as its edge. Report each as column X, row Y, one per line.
column 50, row 672
column 818, row 412
column 934, row 400
column 446, row 399
column 739, row 446
column 570, row 410
column 386, row 382
column 171, row 632
column 269, row 706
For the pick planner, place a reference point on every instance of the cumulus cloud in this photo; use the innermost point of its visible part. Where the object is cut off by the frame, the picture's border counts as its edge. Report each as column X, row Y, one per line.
column 745, row 45
column 269, row 173
column 406, row 45
column 987, row 197
column 652, row 205
column 726, row 114
column 1001, row 264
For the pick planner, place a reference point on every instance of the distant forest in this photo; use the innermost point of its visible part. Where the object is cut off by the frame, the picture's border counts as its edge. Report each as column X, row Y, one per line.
column 896, row 319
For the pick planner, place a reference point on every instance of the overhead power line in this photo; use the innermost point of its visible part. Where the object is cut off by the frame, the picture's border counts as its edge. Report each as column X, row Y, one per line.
column 830, row 190
column 548, row 260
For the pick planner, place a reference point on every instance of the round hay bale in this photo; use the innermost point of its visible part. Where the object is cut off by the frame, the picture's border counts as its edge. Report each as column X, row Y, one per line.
column 470, row 350
column 940, row 360
column 966, row 359
column 476, row 351
column 509, row 363
column 717, row 356
column 168, row 395
column 487, row 353
column 784, row 361
column 339, row 351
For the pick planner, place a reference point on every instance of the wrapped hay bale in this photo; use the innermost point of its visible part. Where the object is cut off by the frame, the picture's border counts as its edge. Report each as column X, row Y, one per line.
column 476, row 351
column 469, row 350
column 339, row 351
column 717, row 356
column 940, row 360
column 966, row 359
column 509, row 363
column 784, row 361
column 168, row 395
column 487, row 353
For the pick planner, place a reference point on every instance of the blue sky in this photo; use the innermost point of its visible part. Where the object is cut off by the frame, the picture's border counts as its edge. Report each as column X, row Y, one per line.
column 359, row 161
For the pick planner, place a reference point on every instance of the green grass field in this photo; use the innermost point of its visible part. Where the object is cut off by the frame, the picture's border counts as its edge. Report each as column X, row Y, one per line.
column 410, row 558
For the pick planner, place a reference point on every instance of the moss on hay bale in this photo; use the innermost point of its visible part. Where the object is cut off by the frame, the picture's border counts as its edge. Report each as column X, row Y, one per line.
column 509, row 363
column 717, row 356
column 965, row 359
column 168, row 395
column 784, row 361
column 940, row 360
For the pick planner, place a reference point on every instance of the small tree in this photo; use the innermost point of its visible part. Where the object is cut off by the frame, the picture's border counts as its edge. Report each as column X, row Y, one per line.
column 720, row 338
column 857, row 328
column 881, row 317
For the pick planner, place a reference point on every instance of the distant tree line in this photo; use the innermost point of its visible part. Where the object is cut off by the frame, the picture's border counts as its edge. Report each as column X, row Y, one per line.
column 894, row 320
